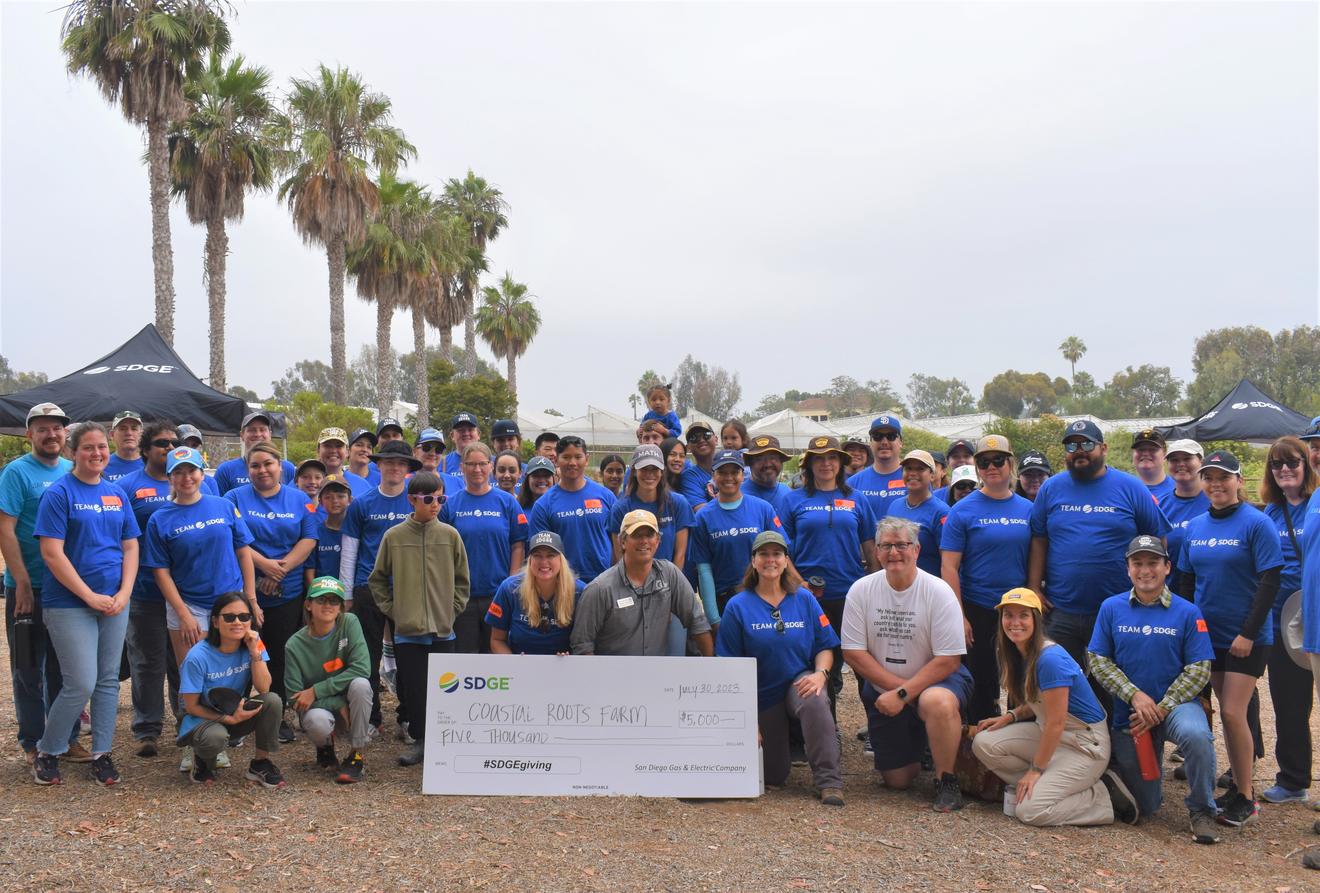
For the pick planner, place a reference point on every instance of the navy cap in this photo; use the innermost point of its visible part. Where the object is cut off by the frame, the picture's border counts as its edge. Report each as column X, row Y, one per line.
column 882, row 422
column 961, row 444
column 464, row 418
column 1084, row 428
column 1223, row 460
column 1146, row 543
column 387, row 422
column 359, row 433
column 539, row 463
column 1312, row 433
column 728, row 457
column 252, row 417
column 505, row 428
column 940, row 458
column 545, row 539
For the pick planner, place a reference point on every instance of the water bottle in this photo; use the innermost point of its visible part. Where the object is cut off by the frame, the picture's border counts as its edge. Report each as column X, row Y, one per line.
column 1145, row 746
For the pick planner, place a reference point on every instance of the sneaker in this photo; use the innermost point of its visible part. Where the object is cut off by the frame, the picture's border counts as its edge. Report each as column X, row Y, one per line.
column 350, row 772
column 222, row 760
column 325, row 757
column 1311, row 859
column 78, row 754
column 1240, row 811
column 186, row 764
column 237, row 742
column 147, row 748
column 104, row 772
column 413, row 755
column 286, row 733
column 948, row 796
column 863, row 733
column 1224, row 799
column 1176, row 755
column 201, row 773
column 867, row 749
column 264, row 773
column 831, row 797
column 797, row 754
column 1125, row 805
column 1180, row 772
column 46, row 769
column 1204, row 827
column 1279, row 794
column 402, row 734
column 1225, row 780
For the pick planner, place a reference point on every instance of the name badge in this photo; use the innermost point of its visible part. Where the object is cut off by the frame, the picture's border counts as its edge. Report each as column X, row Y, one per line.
column 625, row 602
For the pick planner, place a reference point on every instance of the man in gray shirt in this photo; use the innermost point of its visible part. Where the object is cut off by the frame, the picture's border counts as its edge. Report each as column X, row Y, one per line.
column 626, row 610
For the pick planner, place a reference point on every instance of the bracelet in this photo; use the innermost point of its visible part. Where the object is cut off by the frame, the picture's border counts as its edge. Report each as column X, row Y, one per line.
column 1034, row 768
column 1014, row 715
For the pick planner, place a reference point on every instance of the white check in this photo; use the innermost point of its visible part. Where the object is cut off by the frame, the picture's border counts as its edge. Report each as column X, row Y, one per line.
column 649, row 726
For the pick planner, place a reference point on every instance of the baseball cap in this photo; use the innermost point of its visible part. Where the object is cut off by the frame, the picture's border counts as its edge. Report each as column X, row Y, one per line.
column 387, row 422
column 961, row 443
column 189, row 431
column 547, row 539
column 769, row 538
column 1033, row 460
column 329, row 434
column 1312, row 432
column 883, row 422
column 430, row 435
column 1223, row 460
column 334, row 480
column 940, row 458
column 993, row 443
column 252, row 417
column 539, row 463
column 728, row 457
column 647, row 455
column 309, row 463
column 1085, row 429
column 1148, row 435
column 463, row 418
column 396, row 449
column 963, row 473
column 822, row 446
column 359, row 433
column 184, row 456
column 326, row 585
column 46, row 411
column 698, row 426
column 921, row 456
column 1020, row 596
column 505, row 428
column 1146, row 543
column 1190, row 447
column 764, row 445
column 125, row 415
column 638, row 518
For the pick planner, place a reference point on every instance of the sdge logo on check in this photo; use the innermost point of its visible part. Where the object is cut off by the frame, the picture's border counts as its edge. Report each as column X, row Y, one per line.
column 450, row 682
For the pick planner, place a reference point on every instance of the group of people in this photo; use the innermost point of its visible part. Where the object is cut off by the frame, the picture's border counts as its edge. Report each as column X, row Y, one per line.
column 1076, row 621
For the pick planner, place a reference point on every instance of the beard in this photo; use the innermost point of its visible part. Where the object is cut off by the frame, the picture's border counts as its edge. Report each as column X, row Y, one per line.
column 1085, row 472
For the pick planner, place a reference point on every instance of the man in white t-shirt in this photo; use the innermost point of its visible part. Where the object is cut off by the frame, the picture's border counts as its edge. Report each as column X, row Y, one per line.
column 903, row 636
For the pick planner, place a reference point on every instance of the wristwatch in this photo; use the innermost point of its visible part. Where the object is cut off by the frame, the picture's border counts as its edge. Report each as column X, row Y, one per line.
column 902, row 694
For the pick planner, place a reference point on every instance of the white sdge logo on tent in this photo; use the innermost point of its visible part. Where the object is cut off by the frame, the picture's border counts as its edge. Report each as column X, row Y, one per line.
column 130, row 367
column 1257, row 404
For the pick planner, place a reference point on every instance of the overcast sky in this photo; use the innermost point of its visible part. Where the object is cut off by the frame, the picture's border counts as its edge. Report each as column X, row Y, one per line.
column 791, row 191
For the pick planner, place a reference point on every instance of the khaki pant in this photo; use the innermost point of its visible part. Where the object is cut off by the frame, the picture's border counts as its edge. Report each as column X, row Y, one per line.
column 1070, row 791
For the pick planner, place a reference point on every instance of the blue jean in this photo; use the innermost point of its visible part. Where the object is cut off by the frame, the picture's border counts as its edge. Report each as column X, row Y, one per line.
column 89, row 646
column 35, row 687
column 1187, row 727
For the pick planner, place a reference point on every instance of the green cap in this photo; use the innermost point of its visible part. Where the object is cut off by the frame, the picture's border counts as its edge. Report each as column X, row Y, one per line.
column 326, row 586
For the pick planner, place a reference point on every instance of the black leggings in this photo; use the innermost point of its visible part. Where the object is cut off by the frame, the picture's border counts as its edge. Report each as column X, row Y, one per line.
column 373, row 630
column 281, row 622
column 833, row 609
column 412, row 679
column 982, row 662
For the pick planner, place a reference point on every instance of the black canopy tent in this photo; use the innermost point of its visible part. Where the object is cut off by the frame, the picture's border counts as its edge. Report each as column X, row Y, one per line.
column 143, row 374
column 1246, row 414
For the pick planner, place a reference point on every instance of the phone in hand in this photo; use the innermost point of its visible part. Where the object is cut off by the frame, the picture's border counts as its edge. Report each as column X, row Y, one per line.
column 253, row 704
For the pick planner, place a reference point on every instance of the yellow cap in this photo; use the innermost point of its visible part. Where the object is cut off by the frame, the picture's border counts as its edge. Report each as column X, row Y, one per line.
column 1020, row 596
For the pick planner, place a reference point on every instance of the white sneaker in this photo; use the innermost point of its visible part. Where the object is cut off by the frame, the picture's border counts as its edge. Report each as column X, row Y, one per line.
column 186, row 764
column 222, row 760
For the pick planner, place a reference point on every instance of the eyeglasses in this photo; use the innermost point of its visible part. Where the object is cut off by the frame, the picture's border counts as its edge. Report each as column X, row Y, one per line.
column 236, row 618
column 694, row 436
column 884, row 438
column 431, row 447
column 163, row 444
column 1286, row 462
column 325, row 600
column 778, row 619
column 1084, row 446
column 889, row 547
column 428, row 498
column 481, row 464
column 996, row 461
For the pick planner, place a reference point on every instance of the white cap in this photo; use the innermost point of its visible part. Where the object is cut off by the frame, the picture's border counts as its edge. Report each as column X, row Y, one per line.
column 1190, row 447
column 963, row 473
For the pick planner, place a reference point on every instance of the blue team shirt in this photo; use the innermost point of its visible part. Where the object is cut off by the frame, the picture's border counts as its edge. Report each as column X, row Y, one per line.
column 692, row 484
column 994, row 537
column 1162, row 489
column 748, row 629
column 879, row 489
column 930, row 518
column 145, row 495
column 372, row 476
column 826, row 530
column 366, row 521
column 206, row 667
column 357, row 486
column 325, row 559
column 775, row 495
column 1055, row 668
column 1151, row 644
column 676, row 515
column 1291, row 578
column 723, row 538
column 1089, row 525
column 117, row 469
column 196, row 544
column 670, row 419
column 582, row 520
column 234, row 474
column 489, row 525
column 453, row 464
column 506, row 613
column 93, row 520
column 1180, row 511
column 22, row 484
column 1311, row 580
column 1228, row 555
column 277, row 525
column 209, row 486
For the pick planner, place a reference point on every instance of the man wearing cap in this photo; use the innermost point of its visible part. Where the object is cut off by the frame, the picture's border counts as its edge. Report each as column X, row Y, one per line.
column 22, row 483
column 504, row 435
column 1187, row 499
column 882, row 483
column 126, row 436
column 959, row 453
column 1152, row 653
column 694, row 482
column 919, row 506
column 332, row 450
column 388, row 429
column 765, row 462
column 189, row 436
column 233, row 473
column 1081, row 523
column 1148, row 460
column 361, row 443
column 463, row 430
column 626, row 610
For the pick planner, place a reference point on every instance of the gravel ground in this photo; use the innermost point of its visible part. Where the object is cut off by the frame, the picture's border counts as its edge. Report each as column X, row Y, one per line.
column 157, row 832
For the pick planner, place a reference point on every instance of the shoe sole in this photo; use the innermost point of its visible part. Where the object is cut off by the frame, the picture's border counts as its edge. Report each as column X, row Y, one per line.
column 346, row 779
column 257, row 779
column 1221, row 819
column 204, row 782
column 1299, row 799
column 44, row 783
column 1206, row 840
column 110, row 782
column 1129, row 800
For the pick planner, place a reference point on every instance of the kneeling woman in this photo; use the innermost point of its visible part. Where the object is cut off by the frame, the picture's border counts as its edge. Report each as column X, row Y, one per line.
column 326, row 674
column 782, row 625
column 1053, row 745
column 532, row 612
column 230, row 658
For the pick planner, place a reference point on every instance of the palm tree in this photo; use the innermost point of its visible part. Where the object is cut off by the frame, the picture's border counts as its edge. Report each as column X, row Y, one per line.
column 138, row 53
column 334, row 130
column 1073, row 348
column 431, row 300
column 217, row 153
column 508, row 321
column 482, row 206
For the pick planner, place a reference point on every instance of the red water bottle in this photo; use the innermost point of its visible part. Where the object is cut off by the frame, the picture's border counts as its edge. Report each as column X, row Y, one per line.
column 1150, row 767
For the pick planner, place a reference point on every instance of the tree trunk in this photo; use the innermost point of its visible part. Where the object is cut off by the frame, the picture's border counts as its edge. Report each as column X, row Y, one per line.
column 513, row 380
column 447, row 344
column 469, row 331
column 423, row 386
column 162, row 253
column 334, row 252
column 384, row 388
column 217, row 248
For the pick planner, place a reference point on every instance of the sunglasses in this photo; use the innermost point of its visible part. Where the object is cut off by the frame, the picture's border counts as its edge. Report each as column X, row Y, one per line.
column 1287, row 462
column 163, row 444
column 235, row 618
column 695, row 436
column 325, row 600
column 778, row 619
column 884, row 438
column 428, row 498
column 1074, row 446
column 431, row 447
column 996, row 461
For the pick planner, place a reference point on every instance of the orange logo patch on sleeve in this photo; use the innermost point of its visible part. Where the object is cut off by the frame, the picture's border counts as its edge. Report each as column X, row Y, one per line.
column 844, row 504
column 522, row 519
column 496, row 610
column 144, row 492
column 777, row 524
column 824, row 622
column 591, row 503
column 311, row 507
column 1200, row 625
column 107, row 499
column 331, row 665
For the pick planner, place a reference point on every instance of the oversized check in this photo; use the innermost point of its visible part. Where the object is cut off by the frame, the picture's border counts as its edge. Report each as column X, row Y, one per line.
column 652, row 726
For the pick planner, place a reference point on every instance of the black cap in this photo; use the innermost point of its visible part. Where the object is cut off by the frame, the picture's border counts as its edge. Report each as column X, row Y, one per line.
column 387, row 422
column 960, row 443
column 464, row 418
column 1034, row 460
column 1148, row 435
column 1223, row 460
column 505, row 428
column 397, row 449
column 253, row 416
column 358, row 434
column 1146, row 543
column 940, row 458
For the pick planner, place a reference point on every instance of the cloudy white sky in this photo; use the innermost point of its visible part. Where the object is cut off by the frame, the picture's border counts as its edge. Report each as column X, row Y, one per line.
column 791, row 191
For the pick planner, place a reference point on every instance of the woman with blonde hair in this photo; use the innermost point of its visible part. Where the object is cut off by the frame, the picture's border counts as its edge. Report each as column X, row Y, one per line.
column 532, row 612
